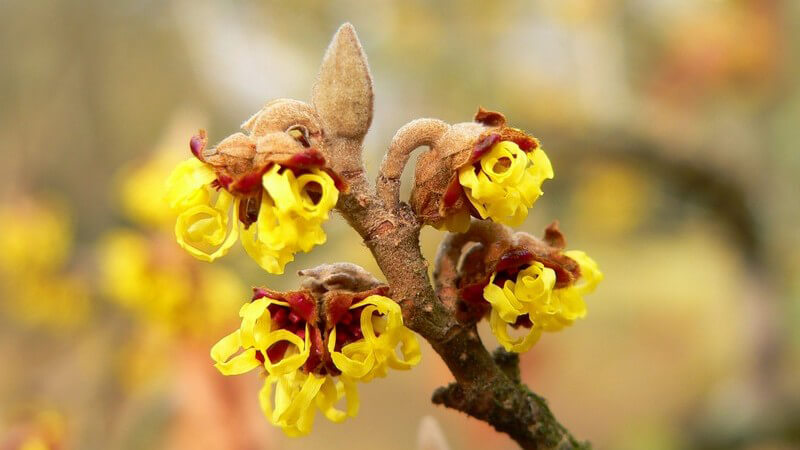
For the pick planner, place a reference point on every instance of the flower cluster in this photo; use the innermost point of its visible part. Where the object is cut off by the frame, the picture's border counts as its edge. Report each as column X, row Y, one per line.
column 270, row 186
column 35, row 247
column 524, row 282
column 505, row 182
column 157, row 282
column 532, row 301
column 482, row 169
column 314, row 348
column 162, row 286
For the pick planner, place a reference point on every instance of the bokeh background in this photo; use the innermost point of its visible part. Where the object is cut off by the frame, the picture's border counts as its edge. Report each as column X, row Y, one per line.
column 673, row 127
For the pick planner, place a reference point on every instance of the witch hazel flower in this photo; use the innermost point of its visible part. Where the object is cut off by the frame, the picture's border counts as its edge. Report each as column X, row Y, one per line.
column 482, row 169
column 270, row 188
column 528, row 283
column 314, row 344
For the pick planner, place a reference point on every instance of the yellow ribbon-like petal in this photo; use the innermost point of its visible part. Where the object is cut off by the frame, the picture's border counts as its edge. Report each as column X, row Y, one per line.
column 206, row 225
column 503, row 300
column 508, row 182
column 290, row 362
column 331, row 392
column 500, row 330
column 289, row 220
column 187, row 185
column 533, row 294
column 295, row 394
column 590, row 272
column 355, row 360
column 222, row 353
column 372, row 355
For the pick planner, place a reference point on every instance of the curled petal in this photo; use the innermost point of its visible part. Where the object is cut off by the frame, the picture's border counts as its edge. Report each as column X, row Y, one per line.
column 507, row 183
column 222, row 353
column 328, row 195
column 289, row 219
column 371, row 356
column 187, row 185
column 503, row 300
column 500, row 330
column 202, row 224
column 331, row 392
column 590, row 272
column 298, row 415
column 355, row 360
column 291, row 363
column 534, row 287
column 412, row 354
column 256, row 320
column 273, row 261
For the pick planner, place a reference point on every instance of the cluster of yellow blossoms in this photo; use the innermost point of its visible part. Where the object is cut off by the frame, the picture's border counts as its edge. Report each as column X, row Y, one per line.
column 146, row 275
column 309, row 366
column 533, row 301
column 35, row 245
column 163, row 288
column 291, row 211
column 505, row 182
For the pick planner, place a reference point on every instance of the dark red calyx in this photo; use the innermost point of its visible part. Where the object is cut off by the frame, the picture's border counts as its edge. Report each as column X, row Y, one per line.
column 483, row 146
column 526, row 143
column 307, row 159
column 453, row 193
column 316, row 355
column 279, row 314
column 337, row 307
column 223, row 181
column 249, row 182
column 302, row 305
column 511, row 260
column 473, row 293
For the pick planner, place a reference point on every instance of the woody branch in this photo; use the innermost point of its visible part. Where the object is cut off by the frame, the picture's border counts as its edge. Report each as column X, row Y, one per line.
column 483, row 388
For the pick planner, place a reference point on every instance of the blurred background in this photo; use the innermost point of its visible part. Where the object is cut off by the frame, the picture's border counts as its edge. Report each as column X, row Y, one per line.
column 673, row 127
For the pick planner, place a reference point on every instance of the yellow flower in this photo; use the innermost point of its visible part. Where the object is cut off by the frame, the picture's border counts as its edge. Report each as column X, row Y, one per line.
column 141, row 190
column 381, row 324
column 34, row 237
column 166, row 290
column 505, row 182
column 290, row 214
column 532, row 302
column 35, row 242
column 303, row 374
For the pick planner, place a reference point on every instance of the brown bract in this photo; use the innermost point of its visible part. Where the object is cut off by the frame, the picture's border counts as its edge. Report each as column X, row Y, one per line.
column 286, row 132
column 437, row 194
column 328, row 291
